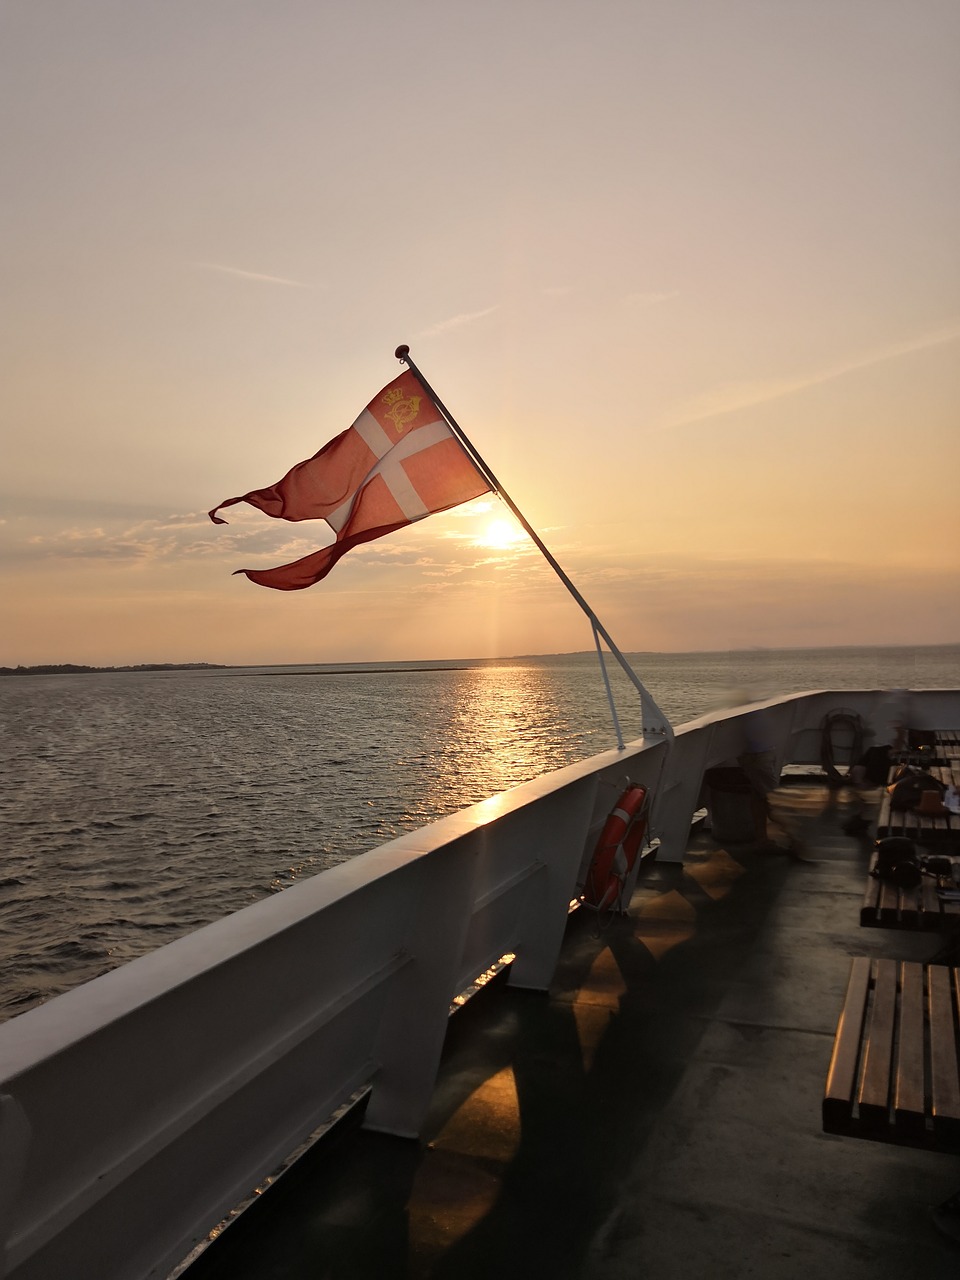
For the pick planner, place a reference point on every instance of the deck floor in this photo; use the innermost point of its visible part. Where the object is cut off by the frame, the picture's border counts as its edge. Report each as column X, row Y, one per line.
column 658, row 1113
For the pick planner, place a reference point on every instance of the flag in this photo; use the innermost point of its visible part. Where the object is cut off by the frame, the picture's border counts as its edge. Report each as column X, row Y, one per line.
column 398, row 463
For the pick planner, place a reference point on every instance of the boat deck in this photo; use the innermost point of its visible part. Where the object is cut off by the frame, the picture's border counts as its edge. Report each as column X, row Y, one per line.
column 658, row 1113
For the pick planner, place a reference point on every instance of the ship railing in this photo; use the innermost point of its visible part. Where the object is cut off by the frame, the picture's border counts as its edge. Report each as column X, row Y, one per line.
column 139, row 1109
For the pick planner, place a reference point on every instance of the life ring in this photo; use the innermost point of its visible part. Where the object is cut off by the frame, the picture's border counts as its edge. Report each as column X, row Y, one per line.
column 617, row 849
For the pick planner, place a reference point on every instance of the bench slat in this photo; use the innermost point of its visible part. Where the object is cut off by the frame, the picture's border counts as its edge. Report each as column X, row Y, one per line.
column 845, row 1060
column 909, row 1095
column 874, row 1094
column 883, row 817
column 871, row 902
column 944, row 1072
column 889, row 902
column 930, row 904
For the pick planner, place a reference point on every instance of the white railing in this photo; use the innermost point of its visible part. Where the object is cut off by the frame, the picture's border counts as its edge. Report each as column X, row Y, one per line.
column 138, row 1109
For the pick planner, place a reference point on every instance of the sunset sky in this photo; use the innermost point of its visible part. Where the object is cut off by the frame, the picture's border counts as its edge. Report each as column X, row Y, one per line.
column 686, row 271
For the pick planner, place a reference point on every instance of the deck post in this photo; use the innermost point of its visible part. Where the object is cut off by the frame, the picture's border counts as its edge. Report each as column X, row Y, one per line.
column 514, row 876
column 560, row 832
column 680, row 788
column 14, row 1150
column 414, row 1020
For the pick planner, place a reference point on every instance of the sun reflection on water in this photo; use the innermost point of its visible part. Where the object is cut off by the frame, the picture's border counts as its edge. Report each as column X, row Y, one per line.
column 503, row 727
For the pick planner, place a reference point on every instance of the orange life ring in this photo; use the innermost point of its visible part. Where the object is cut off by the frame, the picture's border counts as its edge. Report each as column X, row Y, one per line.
column 617, row 849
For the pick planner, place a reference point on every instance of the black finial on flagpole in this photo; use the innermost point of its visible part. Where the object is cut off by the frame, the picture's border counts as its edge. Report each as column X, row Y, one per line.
column 401, row 353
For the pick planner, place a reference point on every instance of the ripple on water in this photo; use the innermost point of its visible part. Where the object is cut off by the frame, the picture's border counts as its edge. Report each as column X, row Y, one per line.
column 136, row 807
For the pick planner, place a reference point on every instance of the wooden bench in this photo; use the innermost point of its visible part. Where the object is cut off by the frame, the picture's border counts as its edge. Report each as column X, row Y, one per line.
column 894, row 1074
column 924, row 828
column 887, row 905
column 931, row 746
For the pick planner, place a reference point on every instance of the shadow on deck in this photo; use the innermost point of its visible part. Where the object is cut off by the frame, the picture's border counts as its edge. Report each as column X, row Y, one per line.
column 658, row 1113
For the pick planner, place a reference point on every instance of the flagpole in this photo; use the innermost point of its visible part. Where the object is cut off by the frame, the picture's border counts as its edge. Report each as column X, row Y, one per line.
column 647, row 703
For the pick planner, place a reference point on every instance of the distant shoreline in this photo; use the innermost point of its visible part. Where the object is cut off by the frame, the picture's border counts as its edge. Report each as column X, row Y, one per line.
column 388, row 666
column 75, row 669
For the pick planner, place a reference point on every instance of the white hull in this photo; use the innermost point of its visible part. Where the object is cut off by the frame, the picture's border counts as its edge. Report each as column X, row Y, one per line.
column 138, row 1109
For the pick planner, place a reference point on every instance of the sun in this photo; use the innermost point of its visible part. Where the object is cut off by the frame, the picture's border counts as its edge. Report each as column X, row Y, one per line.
column 500, row 534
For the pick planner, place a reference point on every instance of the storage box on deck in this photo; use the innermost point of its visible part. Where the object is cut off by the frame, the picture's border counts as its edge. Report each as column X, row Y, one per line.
column 727, row 793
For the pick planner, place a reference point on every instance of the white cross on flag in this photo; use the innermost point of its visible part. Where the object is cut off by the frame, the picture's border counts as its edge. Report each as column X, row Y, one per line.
column 398, row 463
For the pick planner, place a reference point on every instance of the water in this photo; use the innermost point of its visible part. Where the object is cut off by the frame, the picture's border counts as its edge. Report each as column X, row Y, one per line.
column 135, row 807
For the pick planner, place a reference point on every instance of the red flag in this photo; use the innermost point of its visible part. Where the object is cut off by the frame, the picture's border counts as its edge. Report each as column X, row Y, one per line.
column 398, row 463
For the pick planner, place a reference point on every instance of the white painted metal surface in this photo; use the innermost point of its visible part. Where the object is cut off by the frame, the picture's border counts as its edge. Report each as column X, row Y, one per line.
column 138, row 1109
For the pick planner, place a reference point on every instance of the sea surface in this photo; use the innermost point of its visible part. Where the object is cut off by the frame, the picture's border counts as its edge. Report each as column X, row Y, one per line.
column 137, row 806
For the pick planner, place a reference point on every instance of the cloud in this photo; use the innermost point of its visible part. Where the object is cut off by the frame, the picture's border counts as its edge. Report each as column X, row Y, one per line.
column 457, row 322
column 651, row 298
column 251, row 275
column 468, row 510
column 25, row 505
column 174, row 538
column 744, row 395
column 73, row 531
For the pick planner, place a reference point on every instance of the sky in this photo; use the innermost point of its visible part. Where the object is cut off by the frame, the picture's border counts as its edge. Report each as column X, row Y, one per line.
column 687, row 273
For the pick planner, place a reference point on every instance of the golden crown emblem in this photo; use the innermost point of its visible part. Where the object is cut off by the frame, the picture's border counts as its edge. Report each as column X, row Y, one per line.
column 401, row 410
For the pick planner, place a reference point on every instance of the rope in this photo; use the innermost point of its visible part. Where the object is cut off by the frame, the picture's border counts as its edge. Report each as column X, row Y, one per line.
column 844, row 720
